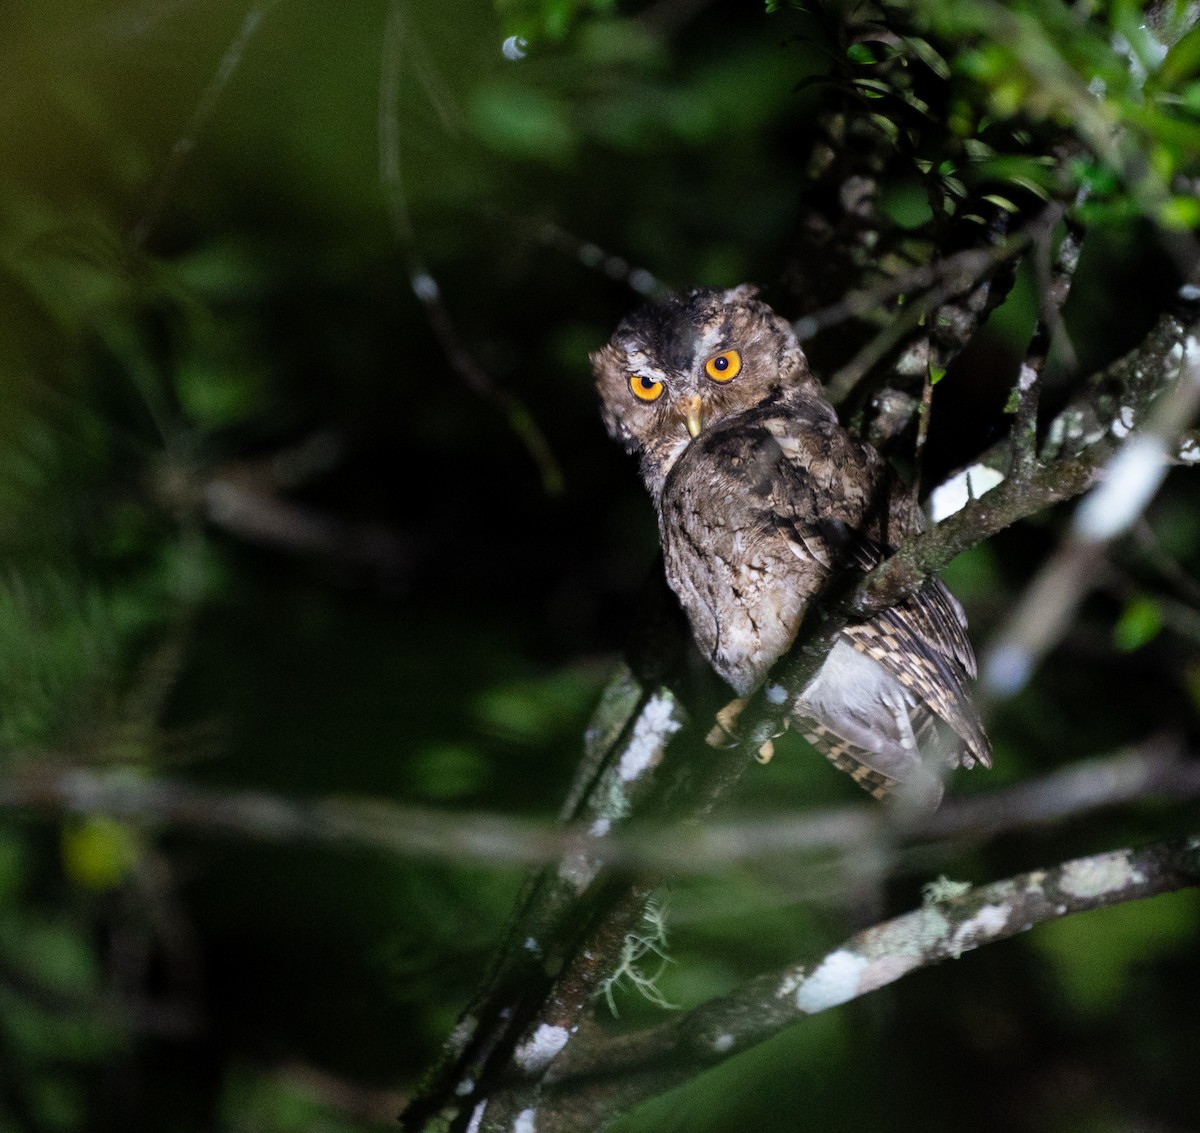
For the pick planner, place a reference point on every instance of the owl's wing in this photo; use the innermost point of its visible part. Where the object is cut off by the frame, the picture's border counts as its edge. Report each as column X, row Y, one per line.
column 932, row 614
column 831, row 494
column 898, row 639
column 932, row 617
column 863, row 765
column 923, row 642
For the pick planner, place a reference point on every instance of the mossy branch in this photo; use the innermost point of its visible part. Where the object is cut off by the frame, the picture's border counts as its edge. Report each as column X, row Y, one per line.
column 594, row 1083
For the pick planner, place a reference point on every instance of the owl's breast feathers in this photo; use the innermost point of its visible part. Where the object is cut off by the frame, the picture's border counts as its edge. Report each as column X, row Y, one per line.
column 759, row 511
column 750, row 518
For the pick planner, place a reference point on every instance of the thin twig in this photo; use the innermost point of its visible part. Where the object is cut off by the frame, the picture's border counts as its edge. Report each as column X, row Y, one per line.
column 422, row 281
column 207, row 103
column 957, row 272
column 956, row 275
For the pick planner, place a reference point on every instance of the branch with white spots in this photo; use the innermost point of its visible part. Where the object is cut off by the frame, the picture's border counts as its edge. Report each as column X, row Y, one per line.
column 1129, row 481
column 592, row 1084
column 554, row 978
column 544, row 979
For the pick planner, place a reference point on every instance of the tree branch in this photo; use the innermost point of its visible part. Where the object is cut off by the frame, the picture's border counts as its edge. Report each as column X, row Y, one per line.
column 1133, row 476
column 1160, row 769
column 597, row 1081
column 957, row 275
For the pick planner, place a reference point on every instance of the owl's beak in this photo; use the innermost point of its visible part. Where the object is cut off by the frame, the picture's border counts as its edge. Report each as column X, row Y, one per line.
column 693, row 414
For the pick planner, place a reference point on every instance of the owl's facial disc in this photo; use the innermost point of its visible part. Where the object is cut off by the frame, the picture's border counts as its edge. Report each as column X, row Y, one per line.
column 682, row 374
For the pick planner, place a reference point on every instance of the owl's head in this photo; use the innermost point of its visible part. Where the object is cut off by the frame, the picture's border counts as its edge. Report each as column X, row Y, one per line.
column 682, row 364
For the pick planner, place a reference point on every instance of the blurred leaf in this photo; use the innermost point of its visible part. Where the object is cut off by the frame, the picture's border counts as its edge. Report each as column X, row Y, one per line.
column 58, row 1100
column 551, row 19
column 59, row 957
column 13, row 865
column 1139, row 623
column 974, row 576
column 217, row 398
column 928, row 55
column 98, row 852
column 1181, row 62
column 522, row 122
column 535, row 709
column 273, row 1103
column 620, row 43
column 1181, row 214
column 907, row 203
column 448, row 772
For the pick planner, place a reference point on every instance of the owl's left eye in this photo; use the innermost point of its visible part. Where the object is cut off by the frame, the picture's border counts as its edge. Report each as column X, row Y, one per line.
column 645, row 388
column 724, row 367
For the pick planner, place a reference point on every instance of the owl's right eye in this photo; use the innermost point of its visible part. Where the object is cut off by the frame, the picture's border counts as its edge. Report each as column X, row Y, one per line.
column 645, row 388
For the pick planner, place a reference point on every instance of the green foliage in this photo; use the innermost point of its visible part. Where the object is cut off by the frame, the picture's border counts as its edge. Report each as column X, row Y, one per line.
column 1140, row 622
column 55, row 1021
column 522, row 122
column 279, row 1104
column 98, row 853
column 801, row 1071
column 1040, row 62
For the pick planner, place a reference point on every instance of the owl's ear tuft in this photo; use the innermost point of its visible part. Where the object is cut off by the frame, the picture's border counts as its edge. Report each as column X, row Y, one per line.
column 743, row 293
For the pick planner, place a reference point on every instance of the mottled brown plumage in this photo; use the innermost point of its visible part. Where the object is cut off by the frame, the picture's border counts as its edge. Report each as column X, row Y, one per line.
column 761, row 496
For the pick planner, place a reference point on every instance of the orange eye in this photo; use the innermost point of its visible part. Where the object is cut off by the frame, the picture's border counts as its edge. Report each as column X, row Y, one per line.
column 724, row 367
column 645, row 388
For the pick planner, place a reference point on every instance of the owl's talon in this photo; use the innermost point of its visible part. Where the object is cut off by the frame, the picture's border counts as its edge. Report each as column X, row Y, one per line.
column 724, row 732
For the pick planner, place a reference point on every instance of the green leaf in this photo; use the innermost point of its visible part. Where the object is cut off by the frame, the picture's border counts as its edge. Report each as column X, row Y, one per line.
column 98, row 852
column 907, row 204
column 925, row 51
column 1000, row 202
column 217, row 398
column 1180, row 213
column 524, row 122
column 1138, row 624
column 448, row 771
column 1181, row 62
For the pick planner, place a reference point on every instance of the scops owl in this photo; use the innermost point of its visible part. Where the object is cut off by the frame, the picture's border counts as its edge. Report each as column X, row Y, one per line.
column 762, row 496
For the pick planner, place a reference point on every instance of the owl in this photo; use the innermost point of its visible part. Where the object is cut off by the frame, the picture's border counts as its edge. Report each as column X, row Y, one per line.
column 762, row 497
